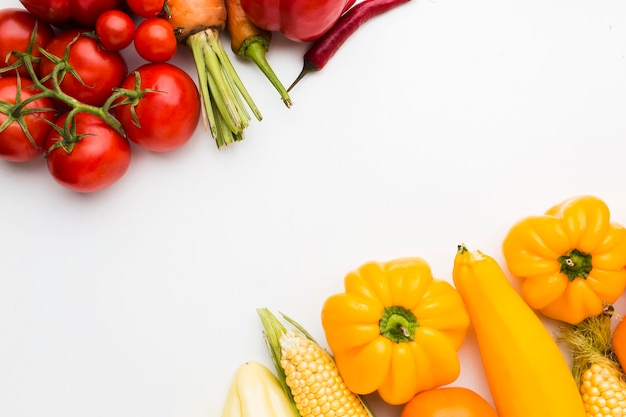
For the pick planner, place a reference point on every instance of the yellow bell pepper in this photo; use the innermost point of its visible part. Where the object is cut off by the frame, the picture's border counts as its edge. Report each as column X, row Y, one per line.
column 395, row 329
column 571, row 260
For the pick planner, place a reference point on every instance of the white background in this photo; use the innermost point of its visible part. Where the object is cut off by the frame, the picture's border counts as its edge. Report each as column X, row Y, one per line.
column 441, row 122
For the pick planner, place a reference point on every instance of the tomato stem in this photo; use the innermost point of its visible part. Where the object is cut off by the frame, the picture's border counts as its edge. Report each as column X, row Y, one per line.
column 61, row 67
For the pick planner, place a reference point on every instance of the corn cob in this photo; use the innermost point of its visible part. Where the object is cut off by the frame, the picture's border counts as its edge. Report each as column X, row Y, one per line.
column 308, row 372
column 595, row 368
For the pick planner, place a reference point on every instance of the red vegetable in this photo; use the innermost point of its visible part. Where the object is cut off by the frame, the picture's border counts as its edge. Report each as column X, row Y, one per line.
column 329, row 43
column 65, row 13
column 86, row 12
column 165, row 114
column 16, row 27
column 92, row 157
column 146, row 8
column 155, row 40
column 55, row 12
column 94, row 71
column 23, row 133
column 115, row 29
column 298, row 20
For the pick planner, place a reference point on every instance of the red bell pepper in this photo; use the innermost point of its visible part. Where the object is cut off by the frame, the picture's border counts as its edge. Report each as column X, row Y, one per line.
column 298, row 20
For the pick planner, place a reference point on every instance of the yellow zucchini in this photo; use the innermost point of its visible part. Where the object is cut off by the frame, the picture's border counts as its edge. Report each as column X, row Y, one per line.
column 527, row 374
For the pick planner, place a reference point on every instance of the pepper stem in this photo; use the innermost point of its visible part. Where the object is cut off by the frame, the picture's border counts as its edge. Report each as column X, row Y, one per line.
column 398, row 324
column 575, row 264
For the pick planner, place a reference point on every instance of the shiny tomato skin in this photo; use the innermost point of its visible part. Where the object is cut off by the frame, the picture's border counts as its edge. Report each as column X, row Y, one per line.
column 146, row 8
column 15, row 146
column 85, row 12
column 99, row 159
column 55, row 12
column 16, row 27
column 66, row 13
column 167, row 117
column 115, row 29
column 155, row 40
column 100, row 70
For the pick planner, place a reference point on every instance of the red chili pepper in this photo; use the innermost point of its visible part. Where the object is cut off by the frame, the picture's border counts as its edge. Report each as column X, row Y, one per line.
column 297, row 20
column 329, row 43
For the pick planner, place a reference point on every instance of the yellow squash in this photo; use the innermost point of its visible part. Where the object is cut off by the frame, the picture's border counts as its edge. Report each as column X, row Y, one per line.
column 528, row 376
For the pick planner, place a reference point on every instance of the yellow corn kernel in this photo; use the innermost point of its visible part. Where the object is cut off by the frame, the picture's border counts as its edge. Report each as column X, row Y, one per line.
column 603, row 391
column 316, row 386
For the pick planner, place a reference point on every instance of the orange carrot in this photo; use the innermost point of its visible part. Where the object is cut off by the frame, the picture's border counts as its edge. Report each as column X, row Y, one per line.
column 198, row 24
column 251, row 42
column 189, row 17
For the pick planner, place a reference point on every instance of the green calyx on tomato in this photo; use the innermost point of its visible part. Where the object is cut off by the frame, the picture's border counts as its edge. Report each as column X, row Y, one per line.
column 57, row 69
column 18, row 110
column 98, row 158
column 575, row 264
column 67, row 136
column 131, row 98
column 25, row 119
column 398, row 324
column 156, row 94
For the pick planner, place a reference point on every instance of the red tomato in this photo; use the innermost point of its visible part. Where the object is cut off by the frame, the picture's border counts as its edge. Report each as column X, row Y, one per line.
column 86, row 12
column 155, row 40
column 16, row 26
column 55, row 12
column 115, row 30
column 168, row 116
column 97, row 158
column 100, row 70
column 146, row 8
column 65, row 13
column 15, row 145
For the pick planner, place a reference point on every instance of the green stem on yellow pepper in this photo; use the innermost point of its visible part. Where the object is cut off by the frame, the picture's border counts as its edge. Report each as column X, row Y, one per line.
column 398, row 324
column 575, row 264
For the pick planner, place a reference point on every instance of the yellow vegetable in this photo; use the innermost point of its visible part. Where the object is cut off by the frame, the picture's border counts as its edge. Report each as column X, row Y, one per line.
column 308, row 372
column 527, row 374
column 395, row 329
column 256, row 392
column 595, row 366
column 572, row 259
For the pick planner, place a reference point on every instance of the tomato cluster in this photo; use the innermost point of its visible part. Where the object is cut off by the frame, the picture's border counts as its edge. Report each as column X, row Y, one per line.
column 67, row 95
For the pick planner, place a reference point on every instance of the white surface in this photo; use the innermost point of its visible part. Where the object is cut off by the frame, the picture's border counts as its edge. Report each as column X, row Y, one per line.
column 442, row 122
